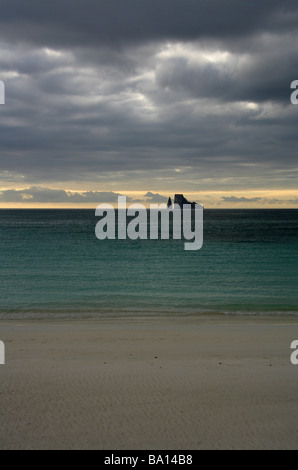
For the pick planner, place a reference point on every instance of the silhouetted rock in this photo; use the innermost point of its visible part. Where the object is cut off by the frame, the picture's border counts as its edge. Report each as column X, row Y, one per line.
column 180, row 200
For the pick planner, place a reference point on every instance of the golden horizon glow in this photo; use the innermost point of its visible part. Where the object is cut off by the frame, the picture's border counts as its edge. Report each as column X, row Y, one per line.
column 252, row 199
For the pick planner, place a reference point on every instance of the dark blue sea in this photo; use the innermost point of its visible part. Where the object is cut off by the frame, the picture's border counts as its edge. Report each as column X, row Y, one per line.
column 53, row 266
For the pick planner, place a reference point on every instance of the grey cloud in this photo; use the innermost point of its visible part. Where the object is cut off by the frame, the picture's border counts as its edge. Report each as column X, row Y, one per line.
column 96, row 92
column 115, row 21
column 262, row 74
column 155, row 197
column 40, row 194
column 263, row 200
column 241, row 199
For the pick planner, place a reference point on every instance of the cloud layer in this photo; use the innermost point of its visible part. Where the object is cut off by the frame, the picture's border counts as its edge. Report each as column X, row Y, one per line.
column 173, row 95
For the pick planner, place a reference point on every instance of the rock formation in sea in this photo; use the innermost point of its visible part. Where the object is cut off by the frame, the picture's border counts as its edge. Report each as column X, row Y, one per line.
column 181, row 200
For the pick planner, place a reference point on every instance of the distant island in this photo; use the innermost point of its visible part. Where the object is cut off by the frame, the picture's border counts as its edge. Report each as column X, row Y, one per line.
column 180, row 200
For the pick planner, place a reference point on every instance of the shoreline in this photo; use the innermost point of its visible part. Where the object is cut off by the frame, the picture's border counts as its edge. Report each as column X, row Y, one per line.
column 155, row 383
column 150, row 317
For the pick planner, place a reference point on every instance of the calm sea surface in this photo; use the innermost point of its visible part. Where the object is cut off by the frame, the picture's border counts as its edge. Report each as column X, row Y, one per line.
column 53, row 266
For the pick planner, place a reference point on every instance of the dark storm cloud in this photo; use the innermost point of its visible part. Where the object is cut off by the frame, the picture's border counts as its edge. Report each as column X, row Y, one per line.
column 260, row 76
column 94, row 22
column 129, row 90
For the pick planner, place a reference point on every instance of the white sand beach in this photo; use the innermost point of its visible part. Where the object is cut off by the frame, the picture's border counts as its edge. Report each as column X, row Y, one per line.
column 192, row 383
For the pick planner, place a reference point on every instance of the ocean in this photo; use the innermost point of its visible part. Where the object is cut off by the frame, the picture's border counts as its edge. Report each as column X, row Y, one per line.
column 53, row 266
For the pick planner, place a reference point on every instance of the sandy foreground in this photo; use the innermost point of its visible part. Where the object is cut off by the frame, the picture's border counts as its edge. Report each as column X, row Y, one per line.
column 195, row 383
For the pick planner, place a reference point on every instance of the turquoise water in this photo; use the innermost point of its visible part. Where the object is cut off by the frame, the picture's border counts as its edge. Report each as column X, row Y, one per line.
column 52, row 265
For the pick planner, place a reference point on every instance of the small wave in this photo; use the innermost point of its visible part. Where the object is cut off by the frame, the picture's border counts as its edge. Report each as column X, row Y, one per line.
column 138, row 314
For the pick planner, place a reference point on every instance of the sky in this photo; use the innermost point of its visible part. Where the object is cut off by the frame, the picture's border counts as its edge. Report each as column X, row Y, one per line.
column 146, row 99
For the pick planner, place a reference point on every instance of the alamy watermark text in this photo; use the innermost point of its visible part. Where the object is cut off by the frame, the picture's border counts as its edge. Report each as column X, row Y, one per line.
column 2, row 353
column 186, row 223
column 294, row 355
column 294, row 95
column 2, row 92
